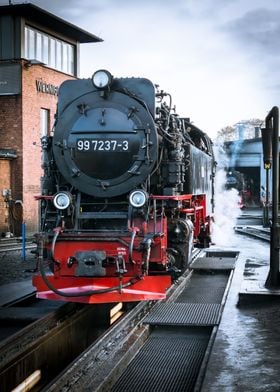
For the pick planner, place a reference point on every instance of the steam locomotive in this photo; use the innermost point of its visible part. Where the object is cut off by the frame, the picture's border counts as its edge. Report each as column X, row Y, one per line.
column 127, row 192
column 237, row 180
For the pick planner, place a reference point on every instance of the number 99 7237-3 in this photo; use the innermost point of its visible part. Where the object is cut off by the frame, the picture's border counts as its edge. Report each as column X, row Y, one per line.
column 102, row 145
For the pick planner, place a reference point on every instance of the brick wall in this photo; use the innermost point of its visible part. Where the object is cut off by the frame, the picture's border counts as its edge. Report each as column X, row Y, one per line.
column 32, row 102
column 20, row 131
column 10, row 138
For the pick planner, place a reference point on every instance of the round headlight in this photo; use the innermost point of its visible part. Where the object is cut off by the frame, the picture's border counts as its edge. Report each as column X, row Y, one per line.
column 138, row 198
column 62, row 200
column 101, row 78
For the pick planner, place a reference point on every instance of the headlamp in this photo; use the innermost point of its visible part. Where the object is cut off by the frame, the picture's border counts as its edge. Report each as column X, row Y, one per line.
column 62, row 200
column 101, row 79
column 138, row 198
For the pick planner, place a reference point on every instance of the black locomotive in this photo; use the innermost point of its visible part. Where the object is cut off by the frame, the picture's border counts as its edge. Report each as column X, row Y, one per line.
column 243, row 185
column 235, row 180
column 127, row 189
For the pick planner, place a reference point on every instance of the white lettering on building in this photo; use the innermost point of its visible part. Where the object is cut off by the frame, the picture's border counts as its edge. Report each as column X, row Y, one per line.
column 46, row 88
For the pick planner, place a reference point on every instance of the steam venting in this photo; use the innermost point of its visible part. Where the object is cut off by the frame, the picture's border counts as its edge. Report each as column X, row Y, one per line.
column 227, row 209
column 236, row 145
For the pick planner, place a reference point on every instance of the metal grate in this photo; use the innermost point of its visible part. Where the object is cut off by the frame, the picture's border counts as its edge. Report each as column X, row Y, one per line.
column 167, row 362
column 214, row 263
column 185, row 314
column 204, row 288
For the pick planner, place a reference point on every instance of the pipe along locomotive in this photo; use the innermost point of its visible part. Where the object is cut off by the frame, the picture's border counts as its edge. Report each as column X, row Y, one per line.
column 127, row 191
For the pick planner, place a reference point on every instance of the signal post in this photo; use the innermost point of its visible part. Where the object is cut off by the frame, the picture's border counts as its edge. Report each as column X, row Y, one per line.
column 270, row 138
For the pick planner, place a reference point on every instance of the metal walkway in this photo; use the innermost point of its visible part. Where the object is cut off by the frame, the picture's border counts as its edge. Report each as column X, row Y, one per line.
column 182, row 331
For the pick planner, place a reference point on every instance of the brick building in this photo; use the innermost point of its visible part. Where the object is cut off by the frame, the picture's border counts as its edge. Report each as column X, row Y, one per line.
column 38, row 51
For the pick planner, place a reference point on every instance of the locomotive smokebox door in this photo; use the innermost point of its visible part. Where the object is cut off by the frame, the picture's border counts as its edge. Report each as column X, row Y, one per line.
column 108, row 147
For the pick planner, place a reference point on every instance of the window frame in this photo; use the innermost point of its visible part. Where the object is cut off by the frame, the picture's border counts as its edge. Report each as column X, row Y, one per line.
column 44, row 122
column 57, row 58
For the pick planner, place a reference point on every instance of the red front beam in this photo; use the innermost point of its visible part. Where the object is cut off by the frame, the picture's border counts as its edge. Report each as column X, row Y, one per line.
column 149, row 288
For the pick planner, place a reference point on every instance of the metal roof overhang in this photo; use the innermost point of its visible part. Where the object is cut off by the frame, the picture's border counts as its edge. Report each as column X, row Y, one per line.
column 36, row 14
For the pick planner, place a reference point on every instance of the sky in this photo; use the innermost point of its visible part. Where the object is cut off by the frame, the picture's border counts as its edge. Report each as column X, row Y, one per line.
column 219, row 59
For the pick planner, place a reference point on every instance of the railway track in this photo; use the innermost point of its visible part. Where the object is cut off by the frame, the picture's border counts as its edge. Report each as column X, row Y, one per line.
column 67, row 346
column 39, row 343
column 17, row 314
column 160, row 346
column 49, row 343
column 253, row 231
column 15, row 243
column 47, row 335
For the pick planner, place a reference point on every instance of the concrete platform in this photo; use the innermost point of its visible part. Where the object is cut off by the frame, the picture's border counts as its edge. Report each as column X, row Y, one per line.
column 245, row 354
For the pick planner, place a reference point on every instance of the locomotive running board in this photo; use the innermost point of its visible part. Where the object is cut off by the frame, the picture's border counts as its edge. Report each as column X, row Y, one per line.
column 149, row 288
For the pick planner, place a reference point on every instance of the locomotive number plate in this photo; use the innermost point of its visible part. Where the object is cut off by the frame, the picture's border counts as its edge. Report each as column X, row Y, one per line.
column 102, row 145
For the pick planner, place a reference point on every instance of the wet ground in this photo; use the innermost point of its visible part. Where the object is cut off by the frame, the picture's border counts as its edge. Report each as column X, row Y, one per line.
column 245, row 355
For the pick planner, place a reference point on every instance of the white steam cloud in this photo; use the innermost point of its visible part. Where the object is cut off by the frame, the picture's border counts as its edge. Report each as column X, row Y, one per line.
column 226, row 206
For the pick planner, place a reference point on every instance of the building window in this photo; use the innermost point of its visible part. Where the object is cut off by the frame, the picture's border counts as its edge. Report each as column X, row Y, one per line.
column 30, row 44
column 53, row 52
column 44, row 122
column 39, row 48
column 45, row 53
